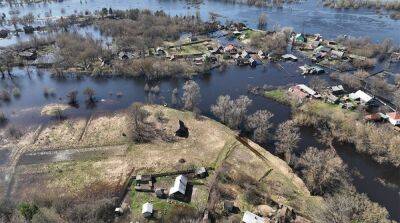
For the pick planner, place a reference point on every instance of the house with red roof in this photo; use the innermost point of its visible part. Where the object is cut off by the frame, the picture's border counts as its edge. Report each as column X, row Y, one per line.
column 394, row 118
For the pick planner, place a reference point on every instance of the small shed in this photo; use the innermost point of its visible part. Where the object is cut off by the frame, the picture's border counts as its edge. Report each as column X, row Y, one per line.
column 337, row 90
column 147, row 210
column 229, row 206
column 201, row 172
column 249, row 217
column 160, row 193
column 261, row 54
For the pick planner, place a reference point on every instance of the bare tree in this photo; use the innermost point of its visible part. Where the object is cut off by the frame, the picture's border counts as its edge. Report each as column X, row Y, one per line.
column 262, row 20
column 238, row 111
column 72, row 97
column 191, row 95
column 89, row 92
column 259, row 123
column 287, row 138
column 318, row 84
column 396, row 99
column 142, row 131
column 174, row 97
column 222, row 108
column 350, row 206
column 322, row 171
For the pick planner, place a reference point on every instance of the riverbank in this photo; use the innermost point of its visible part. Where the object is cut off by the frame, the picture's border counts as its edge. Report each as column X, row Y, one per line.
column 72, row 177
column 345, row 126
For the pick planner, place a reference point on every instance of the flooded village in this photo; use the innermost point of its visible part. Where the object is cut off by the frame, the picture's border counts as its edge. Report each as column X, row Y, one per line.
column 199, row 111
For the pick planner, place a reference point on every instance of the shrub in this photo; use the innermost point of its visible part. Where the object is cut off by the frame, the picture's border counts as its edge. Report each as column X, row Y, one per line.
column 28, row 210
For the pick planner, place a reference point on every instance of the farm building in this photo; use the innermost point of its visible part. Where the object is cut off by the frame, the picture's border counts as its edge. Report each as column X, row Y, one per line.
column 179, row 188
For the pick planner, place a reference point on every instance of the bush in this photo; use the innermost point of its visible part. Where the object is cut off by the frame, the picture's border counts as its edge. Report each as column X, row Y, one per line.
column 28, row 210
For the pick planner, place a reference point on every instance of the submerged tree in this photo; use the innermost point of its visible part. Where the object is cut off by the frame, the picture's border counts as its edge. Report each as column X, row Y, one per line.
column 90, row 93
column 322, row 171
column 222, row 108
column 287, row 138
column 174, row 97
column 259, row 123
column 231, row 112
column 191, row 95
column 72, row 97
column 262, row 20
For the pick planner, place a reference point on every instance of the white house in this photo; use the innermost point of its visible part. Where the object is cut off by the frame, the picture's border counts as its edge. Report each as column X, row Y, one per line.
column 360, row 95
column 147, row 210
column 249, row 217
column 394, row 118
column 179, row 187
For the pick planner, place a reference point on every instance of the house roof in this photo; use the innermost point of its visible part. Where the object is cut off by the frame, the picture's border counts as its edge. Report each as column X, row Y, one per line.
column 179, row 185
column 337, row 88
column 289, row 56
column 295, row 90
column 394, row 115
column 147, row 208
column 307, row 89
column 364, row 97
column 249, row 217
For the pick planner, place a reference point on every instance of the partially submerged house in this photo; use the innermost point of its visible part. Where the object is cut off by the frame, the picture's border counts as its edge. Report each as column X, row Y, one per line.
column 178, row 190
column 147, row 210
column 290, row 57
column 306, row 70
column 394, row 118
column 249, row 217
column 230, row 48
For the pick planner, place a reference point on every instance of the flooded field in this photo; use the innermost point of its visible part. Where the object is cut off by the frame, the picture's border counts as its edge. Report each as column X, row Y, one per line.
column 379, row 182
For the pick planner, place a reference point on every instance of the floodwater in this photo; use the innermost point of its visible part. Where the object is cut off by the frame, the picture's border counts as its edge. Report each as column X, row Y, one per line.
column 309, row 16
column 379, row 182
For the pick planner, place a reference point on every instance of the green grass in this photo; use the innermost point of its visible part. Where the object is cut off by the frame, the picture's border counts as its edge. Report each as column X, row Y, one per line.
column 279, row 95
